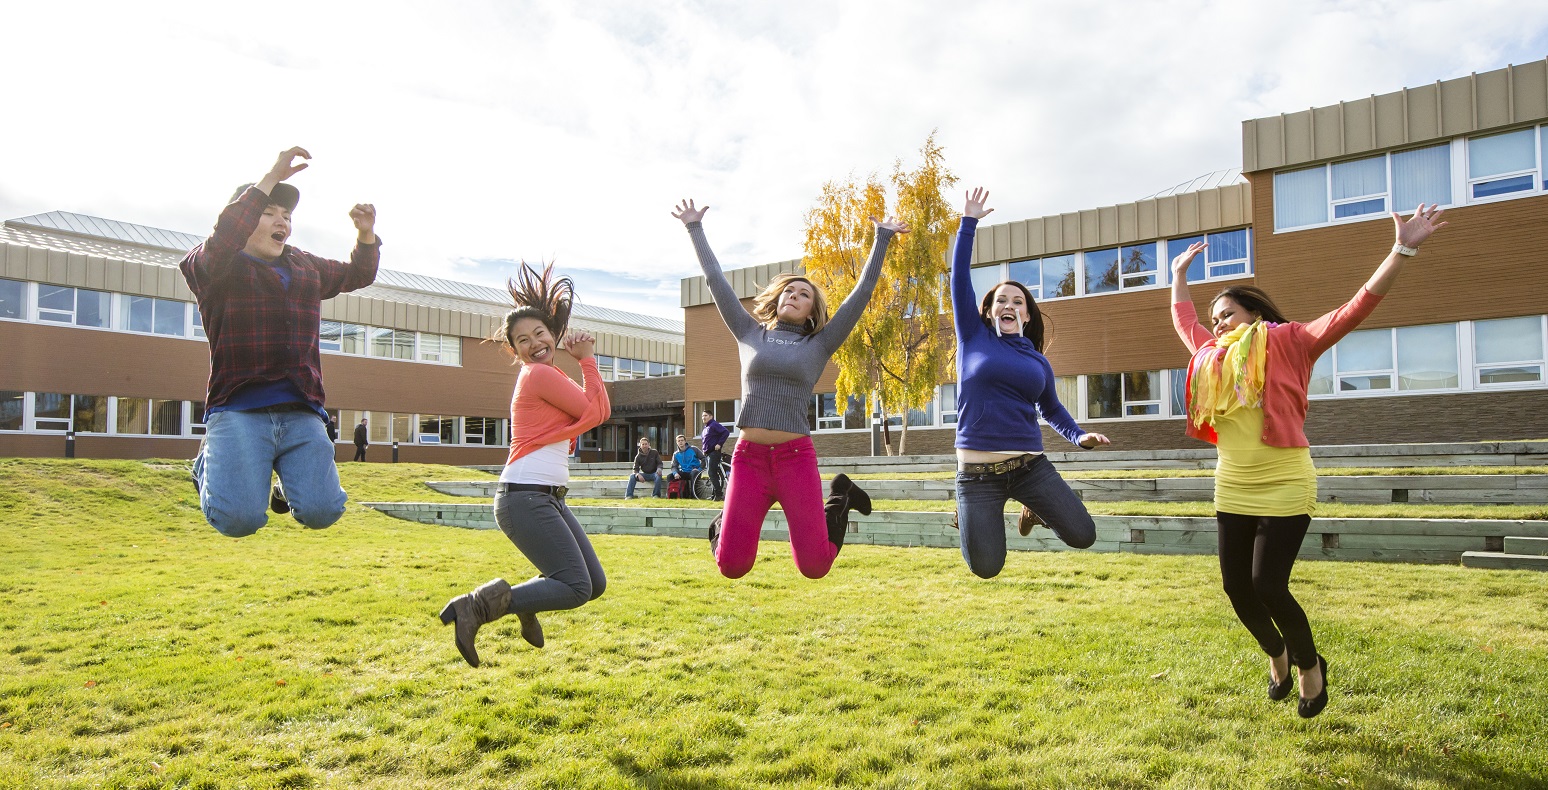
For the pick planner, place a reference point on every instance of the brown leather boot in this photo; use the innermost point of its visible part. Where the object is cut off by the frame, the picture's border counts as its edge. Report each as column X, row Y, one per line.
column 1028, row 521
column 486, row 604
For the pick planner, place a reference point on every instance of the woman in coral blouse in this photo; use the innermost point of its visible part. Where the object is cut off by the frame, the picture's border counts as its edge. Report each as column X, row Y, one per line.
column 548, row 411
column 1247, row 385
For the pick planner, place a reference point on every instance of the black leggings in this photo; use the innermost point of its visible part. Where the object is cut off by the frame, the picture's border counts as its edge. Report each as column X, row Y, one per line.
column 1256, row 555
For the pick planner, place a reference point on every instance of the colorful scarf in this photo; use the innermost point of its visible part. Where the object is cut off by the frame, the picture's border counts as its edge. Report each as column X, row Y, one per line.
column 1228, row 375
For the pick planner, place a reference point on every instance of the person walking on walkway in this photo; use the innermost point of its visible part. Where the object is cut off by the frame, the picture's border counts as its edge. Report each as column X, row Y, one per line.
column 647, row 469
column 548, row 412
column 1004, row 383
column 1247, row 383
column 712, row 441
column 362, row 440
column 785, row 343
column 260, row 300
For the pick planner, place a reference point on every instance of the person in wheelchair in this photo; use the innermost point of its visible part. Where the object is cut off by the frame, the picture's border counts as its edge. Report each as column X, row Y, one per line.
column 687, row 463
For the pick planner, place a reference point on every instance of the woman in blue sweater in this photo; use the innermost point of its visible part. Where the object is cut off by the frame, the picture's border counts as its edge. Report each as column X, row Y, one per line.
column 1003, row 383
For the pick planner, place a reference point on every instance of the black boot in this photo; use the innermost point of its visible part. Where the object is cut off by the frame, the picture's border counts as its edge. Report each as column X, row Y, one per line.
column 277, row 501
column 858, row 498
column 714, row 532
column 843, row 496
column 472, row 610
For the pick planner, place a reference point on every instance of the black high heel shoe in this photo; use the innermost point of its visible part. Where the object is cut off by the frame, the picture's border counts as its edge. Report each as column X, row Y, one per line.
column 1311, row 707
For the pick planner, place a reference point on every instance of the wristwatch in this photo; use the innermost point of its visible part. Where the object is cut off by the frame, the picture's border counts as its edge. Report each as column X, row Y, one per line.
column 1401, row 250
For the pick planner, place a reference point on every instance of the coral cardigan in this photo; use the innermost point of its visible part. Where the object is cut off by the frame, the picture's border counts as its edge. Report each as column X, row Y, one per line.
column 547, row 406
column 1292, row 350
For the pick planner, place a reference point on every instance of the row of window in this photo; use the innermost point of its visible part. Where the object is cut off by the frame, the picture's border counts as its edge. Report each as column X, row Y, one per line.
column 53, row 412
column 1457, row 172
column 60, row 304
column 622, row 368
column 1124, row 268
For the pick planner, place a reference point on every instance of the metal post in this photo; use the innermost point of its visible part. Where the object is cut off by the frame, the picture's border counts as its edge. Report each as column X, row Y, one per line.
column 69, row 444
column 395, row 451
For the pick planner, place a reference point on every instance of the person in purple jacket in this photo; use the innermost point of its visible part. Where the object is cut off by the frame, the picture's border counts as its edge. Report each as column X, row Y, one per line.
column 712, row 443
column 1003, row 383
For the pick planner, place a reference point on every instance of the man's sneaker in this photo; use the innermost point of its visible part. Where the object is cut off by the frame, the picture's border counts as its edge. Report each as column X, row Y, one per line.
column 277, row 501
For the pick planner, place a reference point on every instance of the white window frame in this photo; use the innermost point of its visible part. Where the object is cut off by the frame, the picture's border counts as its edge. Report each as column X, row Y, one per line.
column 1536, row 172
column 123, row 315
column 26, row 415
column 28, row 302
column 1385, row 195
column 110, row 324
column 1477, row 368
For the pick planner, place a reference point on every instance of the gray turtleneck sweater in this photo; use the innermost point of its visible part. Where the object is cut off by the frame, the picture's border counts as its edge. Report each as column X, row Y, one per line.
column 780, row 366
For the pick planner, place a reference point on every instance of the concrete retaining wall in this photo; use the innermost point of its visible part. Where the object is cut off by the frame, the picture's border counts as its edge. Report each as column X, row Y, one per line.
column 1389, row 540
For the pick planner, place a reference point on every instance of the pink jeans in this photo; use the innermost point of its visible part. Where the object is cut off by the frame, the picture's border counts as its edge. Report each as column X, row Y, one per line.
column 762, row 474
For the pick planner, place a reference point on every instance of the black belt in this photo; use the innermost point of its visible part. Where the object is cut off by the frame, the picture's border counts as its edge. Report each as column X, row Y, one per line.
column 1000, row 467
column 278, row 407
column 557, row 492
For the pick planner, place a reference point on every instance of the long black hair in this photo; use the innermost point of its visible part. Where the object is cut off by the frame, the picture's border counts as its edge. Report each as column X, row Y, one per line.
column 1031, row 329
column 1253, row 300
column 538, row 295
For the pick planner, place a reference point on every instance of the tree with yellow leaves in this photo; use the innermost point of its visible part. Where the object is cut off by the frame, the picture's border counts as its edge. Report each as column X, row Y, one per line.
column 902, row 347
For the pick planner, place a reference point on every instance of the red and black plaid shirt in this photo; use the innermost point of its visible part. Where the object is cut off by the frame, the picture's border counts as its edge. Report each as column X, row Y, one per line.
column 259, row 331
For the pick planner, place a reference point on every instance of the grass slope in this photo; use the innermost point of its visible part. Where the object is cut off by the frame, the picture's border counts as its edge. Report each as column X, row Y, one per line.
column 143, row 650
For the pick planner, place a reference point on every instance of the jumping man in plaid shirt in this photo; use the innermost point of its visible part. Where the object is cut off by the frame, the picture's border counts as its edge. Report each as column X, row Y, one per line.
column 261, row 300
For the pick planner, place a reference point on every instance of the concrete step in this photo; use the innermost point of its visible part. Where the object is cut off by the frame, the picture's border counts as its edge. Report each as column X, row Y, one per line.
column 1518, row 544
column 1501, row 561
column 1389, row 540
column 1374, row 489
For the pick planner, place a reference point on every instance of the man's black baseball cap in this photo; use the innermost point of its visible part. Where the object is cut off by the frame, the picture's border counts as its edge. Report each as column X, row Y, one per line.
column 284, row 195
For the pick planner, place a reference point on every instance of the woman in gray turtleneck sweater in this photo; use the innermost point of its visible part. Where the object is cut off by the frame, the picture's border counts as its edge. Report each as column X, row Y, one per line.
column 785, row 343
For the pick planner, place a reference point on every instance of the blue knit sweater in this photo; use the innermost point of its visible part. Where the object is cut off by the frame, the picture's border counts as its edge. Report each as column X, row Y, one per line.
column 1002, row 382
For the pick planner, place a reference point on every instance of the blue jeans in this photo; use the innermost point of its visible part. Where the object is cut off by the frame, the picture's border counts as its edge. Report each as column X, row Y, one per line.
column 654, row 478
column 240, row 451
column 981, row 512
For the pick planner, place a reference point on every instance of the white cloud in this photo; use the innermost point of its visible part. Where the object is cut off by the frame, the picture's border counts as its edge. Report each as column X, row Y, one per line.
column 548, row 130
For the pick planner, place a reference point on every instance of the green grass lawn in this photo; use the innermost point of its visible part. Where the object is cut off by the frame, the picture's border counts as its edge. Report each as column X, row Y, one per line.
column 141, row 649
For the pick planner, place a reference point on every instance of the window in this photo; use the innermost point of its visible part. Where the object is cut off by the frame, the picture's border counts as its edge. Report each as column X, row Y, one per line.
column 1226, row 255
column 13, row 299
column 1101, row 271
column 485, row 430
column 1028, row 273
column 1427, row 357
column 1502, row 163
column 1422, row 175
column 1508, row 351
column 1363, row 360
column 11, row 409
column 435, row 429
column 196, row 418
column 329, row 336
column 1068, row 390
column 50, row 411
column 825, row 413
column 1300, row 198
column 948, row 404
column 1179, row 391
column 440, row 348
column 1321, row 375
column 637, row 365
column 392, row 343
column 54, row 411
column 724, row 411
column 144, row 416
column 1139, row 265
column 73, row 306
column 1359, row 187
column 922, row 417
column 855, row 416
column 195, row 322
column 656, row 369
column 156, row 316
column 984, row 279
column 1058, row 276
column 605, row 367
column 1133, row 394
column 352, row 339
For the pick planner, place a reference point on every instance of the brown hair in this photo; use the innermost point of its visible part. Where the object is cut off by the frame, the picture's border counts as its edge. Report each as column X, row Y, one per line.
column 766, row 303
column 538, row 295
column 1252, row 299
column 1032, row 329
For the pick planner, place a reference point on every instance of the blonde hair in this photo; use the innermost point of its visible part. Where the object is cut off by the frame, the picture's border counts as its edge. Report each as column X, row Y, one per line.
column 766, row 303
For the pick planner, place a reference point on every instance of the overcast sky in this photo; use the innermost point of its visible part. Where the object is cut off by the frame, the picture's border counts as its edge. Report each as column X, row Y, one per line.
column 492, row 132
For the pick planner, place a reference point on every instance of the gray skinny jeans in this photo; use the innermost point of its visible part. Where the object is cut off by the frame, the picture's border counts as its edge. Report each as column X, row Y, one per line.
column 546, row 532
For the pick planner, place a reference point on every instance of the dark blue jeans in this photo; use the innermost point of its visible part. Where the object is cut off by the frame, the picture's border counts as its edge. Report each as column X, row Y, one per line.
column 981, row 512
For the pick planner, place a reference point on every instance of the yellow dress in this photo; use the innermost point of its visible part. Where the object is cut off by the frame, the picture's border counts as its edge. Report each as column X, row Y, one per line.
column 1254, row 479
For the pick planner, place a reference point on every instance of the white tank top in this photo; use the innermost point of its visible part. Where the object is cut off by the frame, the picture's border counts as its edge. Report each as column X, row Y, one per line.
column 546, row 466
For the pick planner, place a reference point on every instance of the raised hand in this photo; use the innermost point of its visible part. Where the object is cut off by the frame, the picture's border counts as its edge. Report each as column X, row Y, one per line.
column 688, row 213
column 1093, row 440
column 1418, row 227
column 891, row 223
column 364, row 217
column 1184, row 258
column 285, row 165
column 975, row 204
column 580, row 344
